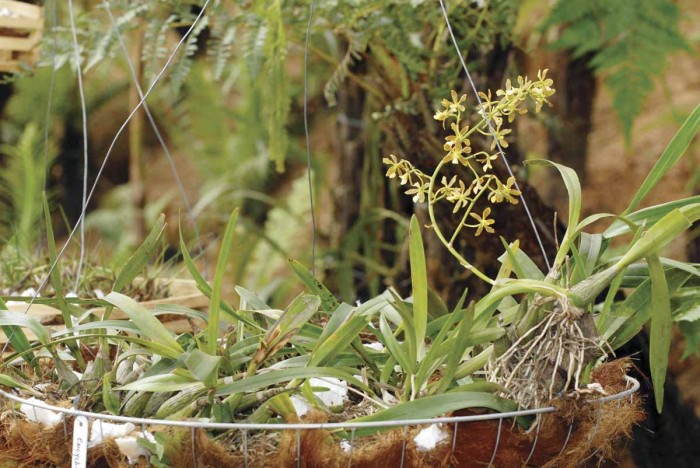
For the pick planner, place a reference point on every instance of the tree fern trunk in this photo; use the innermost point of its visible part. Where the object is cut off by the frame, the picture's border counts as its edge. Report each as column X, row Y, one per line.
column 351, row 152
column 573, row 107
column 136, row 162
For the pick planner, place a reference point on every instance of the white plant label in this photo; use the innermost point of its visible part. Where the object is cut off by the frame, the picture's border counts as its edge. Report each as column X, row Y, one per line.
column 80, row 442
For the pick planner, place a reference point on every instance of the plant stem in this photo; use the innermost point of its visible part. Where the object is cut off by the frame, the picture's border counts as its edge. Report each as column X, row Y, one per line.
column 438, row 231
column 466, row 213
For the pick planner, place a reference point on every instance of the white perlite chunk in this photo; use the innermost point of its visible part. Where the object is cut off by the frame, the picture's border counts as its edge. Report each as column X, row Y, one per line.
column 130, row 447
column 103, row 430
column 428, row 438
column 375, row 345
column 336, row 394
column 596, row 387
column 29, row 292
column 300, row 405
column 40, row 415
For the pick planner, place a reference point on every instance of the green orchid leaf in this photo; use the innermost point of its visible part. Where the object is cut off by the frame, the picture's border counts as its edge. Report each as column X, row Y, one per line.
column 212, row 332
column 573, row 188
column 468, row 367
column 203, row 366
column 204, row 287
column 396, row 350
column 430, row 407
column 292, row 319
column 18, row 339
column 339, row 341
column 419, row 284
column 17, row 319
column 163, row 383
column 673, row 152
column 264, row 380
column 647, row 216
column 522, row 265
column 109, row 399
column 458, row 349
column 8, row 381
column 660, row 330
column 139, row 259
column 150, row 326
column 328, row 300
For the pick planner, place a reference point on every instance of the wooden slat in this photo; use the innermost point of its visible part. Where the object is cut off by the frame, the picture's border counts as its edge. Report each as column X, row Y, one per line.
column 23, row 9
column 46, row 314
column 182, row 292
column 26, row 19
column 176, row 326
column 21, row 23
column 9, row 66
column 18, row 44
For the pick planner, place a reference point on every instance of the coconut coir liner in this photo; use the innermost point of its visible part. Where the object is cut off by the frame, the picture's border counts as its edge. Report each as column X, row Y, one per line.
column 28, row 444
column 594, row 429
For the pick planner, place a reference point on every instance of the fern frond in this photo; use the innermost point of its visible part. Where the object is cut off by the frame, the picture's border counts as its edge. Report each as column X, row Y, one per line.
column 357, row 44
column 154, row 45
column 254, row 45
column 106, row 43
column 182, row 68
column 630, row 43
column 221, row 46
column 278, row 99
column 22, row 178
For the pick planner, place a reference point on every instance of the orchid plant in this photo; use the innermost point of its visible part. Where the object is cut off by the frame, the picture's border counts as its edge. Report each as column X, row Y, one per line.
column 557, row 329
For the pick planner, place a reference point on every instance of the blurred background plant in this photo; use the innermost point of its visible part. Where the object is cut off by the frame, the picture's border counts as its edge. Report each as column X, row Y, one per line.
column 378, row 68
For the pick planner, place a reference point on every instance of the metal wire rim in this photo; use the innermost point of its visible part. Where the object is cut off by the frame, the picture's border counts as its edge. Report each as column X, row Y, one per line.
column 306, row 426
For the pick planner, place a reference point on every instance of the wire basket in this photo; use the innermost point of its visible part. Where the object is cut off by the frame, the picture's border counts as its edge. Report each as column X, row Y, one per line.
column 21, row 30
column 246, row 430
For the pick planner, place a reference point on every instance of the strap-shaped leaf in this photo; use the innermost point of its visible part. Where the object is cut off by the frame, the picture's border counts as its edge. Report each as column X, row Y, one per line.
column 339, row 341
column 18, row 339
column 328, row 300
column 419, row 283
column 139, row 259
column 215, row 307
column 17, row 319
column 204, row 287
column 433, row 406
column 8, row 381
column 163, row 383
column 150, row 326
column 661, row 234
column 261, row 381
column 203, row 366
column 646, row 216
column 660, row 330
column 627, row 320
column 673, row 152
column 573, row 188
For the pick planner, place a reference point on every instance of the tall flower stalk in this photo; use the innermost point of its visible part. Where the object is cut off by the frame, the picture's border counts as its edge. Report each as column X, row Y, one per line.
column 482, row 183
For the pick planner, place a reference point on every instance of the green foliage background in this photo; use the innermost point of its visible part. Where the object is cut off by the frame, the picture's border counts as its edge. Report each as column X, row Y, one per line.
column 230, row 102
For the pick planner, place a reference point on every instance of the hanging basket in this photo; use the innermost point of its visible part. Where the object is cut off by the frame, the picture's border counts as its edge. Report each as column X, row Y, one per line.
column 560, row 436
column 21, row 30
